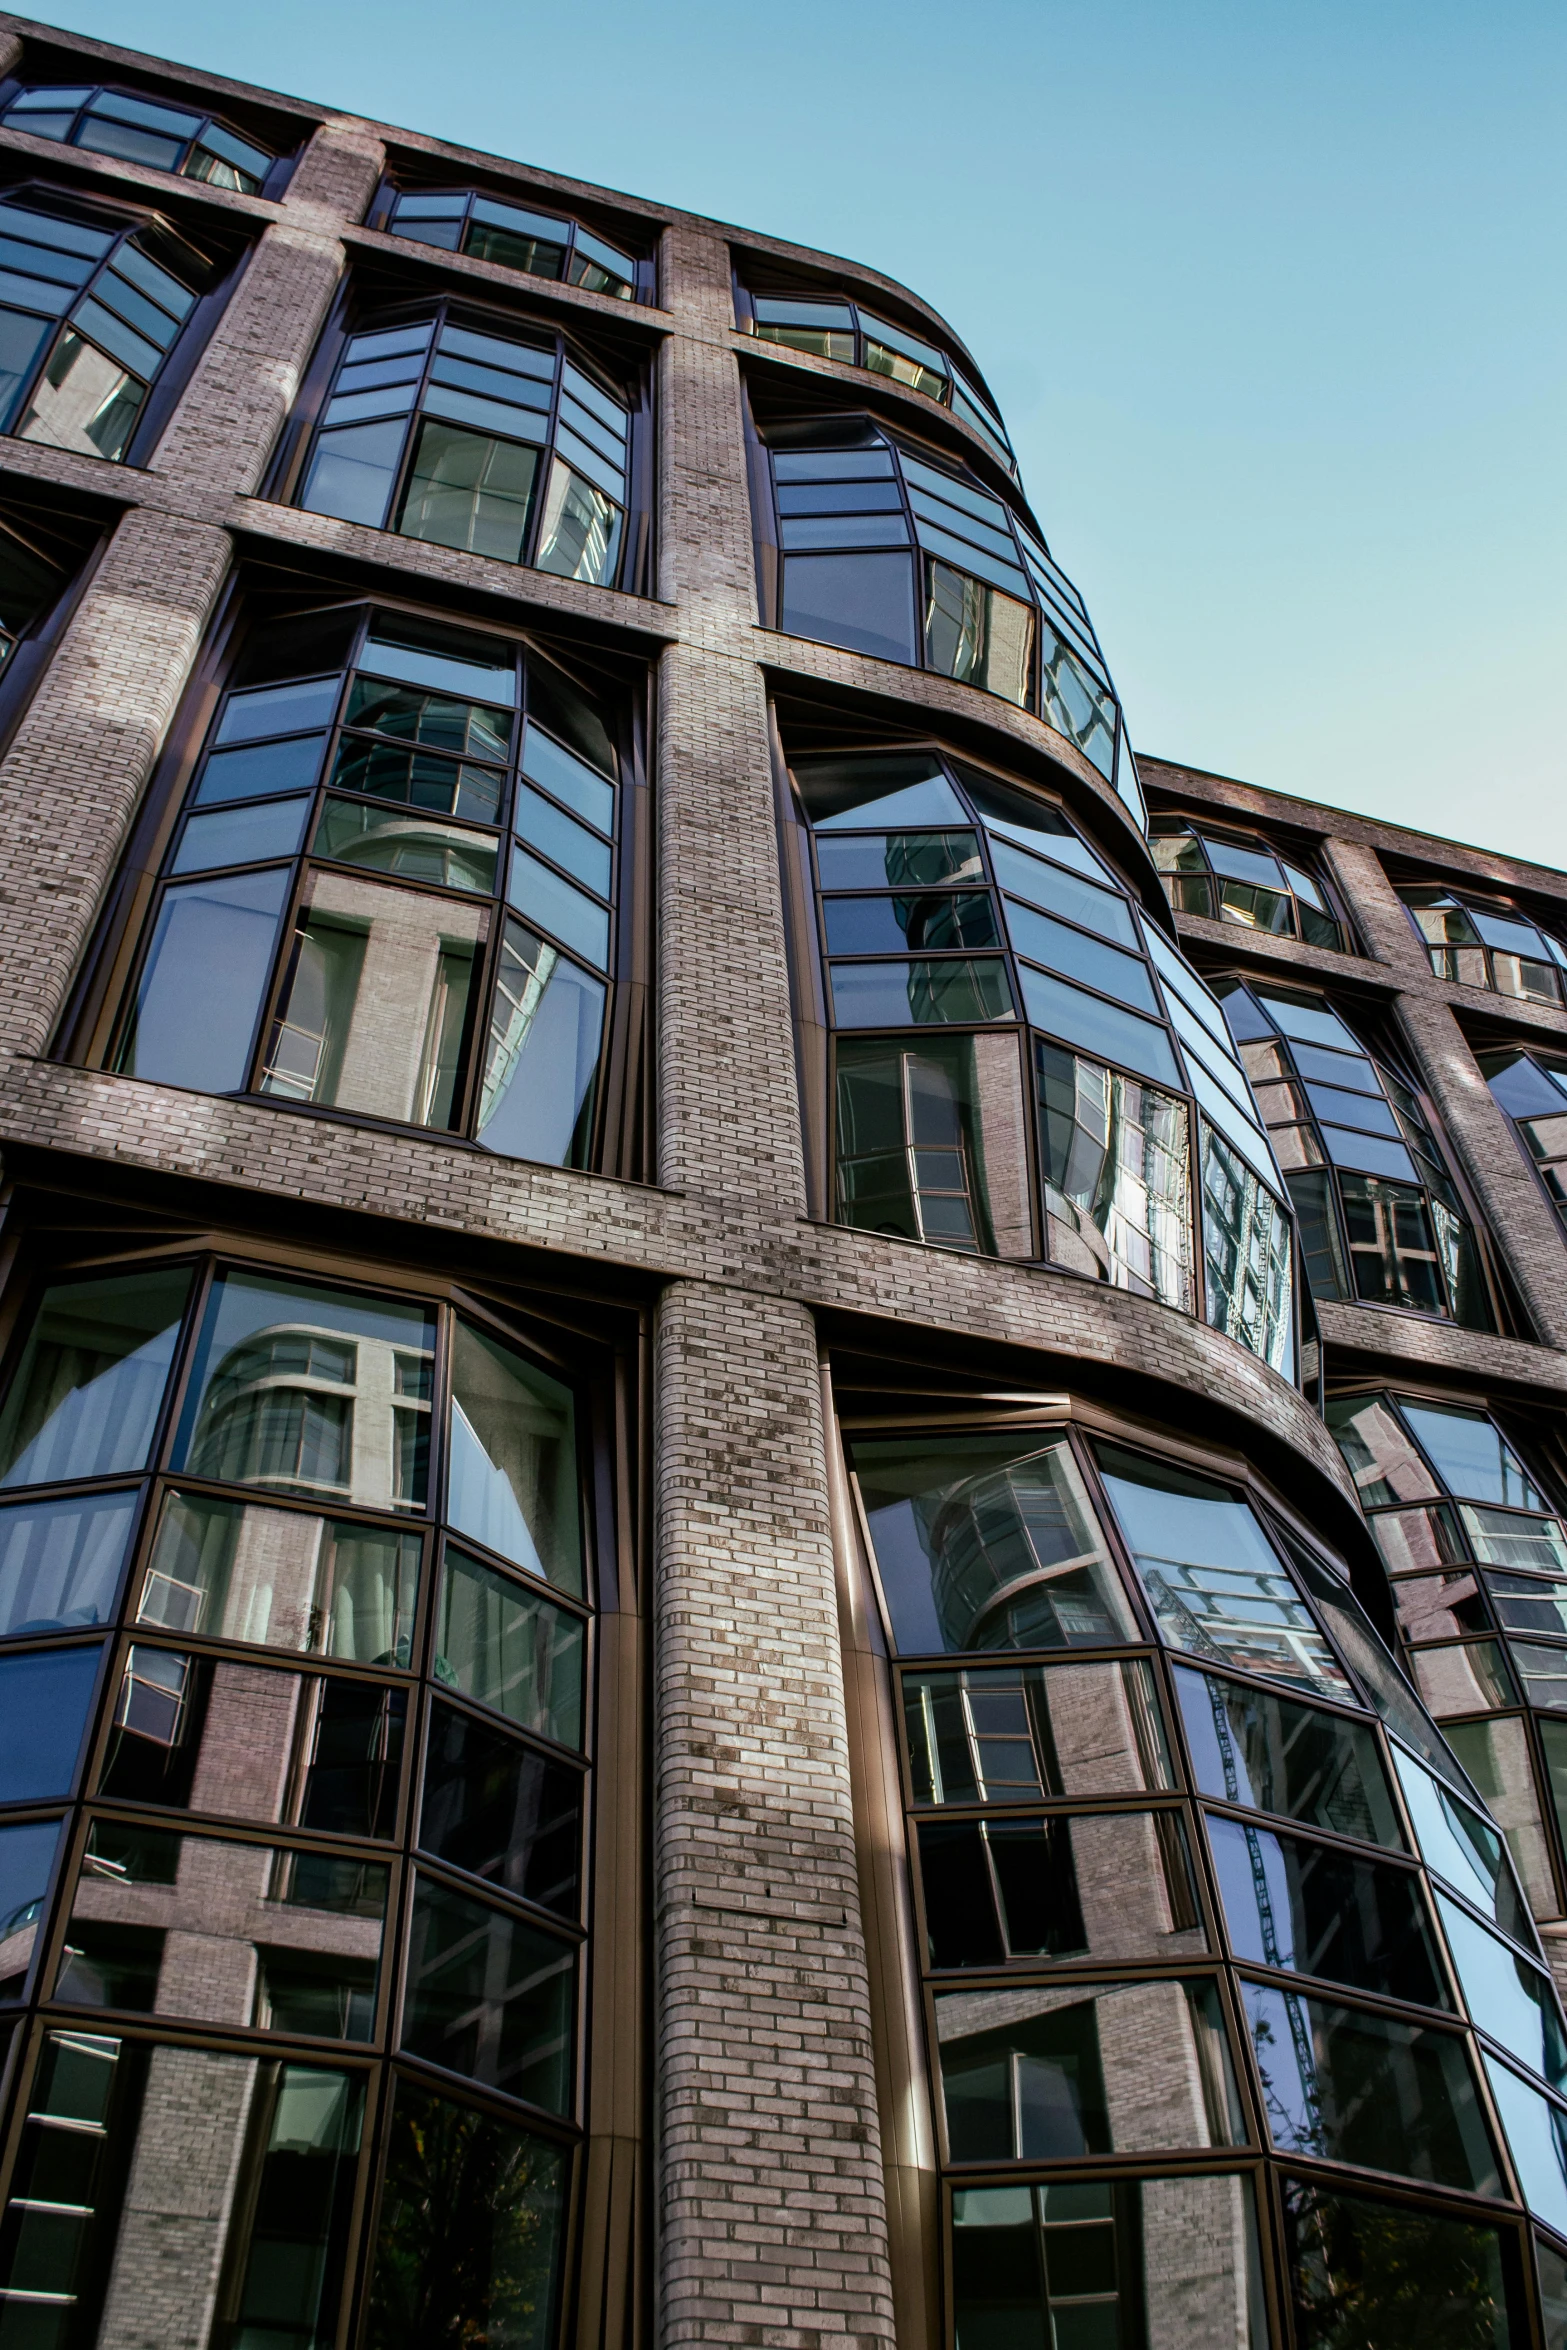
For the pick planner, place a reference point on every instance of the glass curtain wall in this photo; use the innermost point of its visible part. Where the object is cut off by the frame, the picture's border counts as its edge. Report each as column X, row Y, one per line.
column 461, row 220
column 1487, row 942
column 870, row 543
column 1023, row 1066
column 295, row 1613
column 141, row 130
column 1381, row 1219
column 470, row 432
column 1234, row 876
column 1223, row 1961
column 392, row 889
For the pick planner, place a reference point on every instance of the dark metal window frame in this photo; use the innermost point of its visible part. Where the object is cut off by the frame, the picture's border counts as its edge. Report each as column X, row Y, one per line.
column 396, row 187
column 1542, row 1164
column 1508, row 909
column 272, row 181
column 1197, row 828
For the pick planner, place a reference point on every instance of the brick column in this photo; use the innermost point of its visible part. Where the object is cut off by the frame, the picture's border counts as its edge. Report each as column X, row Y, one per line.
column 772, row 2203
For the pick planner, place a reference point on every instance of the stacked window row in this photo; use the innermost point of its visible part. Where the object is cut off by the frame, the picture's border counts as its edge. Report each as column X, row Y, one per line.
column 1474, row 1538
column 971, row 910
column 294, row 1604
column 134, row 129
column 1228, row 875
column 1211, row 1887
column 1487, row 942
column 391, row 888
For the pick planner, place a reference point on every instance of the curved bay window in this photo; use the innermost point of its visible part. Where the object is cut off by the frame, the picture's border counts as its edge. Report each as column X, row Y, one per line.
column 473, row 432
column 1022, row 1065
column 1235, row 876
column 864, row 541
column 296, row 1669
column 1487, row 942
column 136, row 129
column 1530, row 1088
column 1381, row 1219
column 394, row 888
column 837, row 328
column 1215, row 1938
column 462, row 220
column 92, row 306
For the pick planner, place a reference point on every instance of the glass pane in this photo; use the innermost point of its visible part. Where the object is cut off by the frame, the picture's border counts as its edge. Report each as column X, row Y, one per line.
column 419, row 779
column 501, row 1810
column 1012, row 1734
column 203, row 982
column 60, row 1562
column 562, row 773
column 1113, row 1887
column 374, row 1007
column 1078, row 1018
column 509, row 1647
column 322, row 1393
column 88, row 1389
column 26, row 1863
column 1248, row 1746
column 1213, row 1580
column 241, row 836
column 353, row 469
column 931, row 1142
column 1464, row 1848
column 1513, row 2001
column 490, row 1996
column 45, row 1700
column 470, row 490
column 865, row 602
column 981, row 1545
column 472, row 2231
column 1056, row 944
column 251, row 770
column 1472, row 1456
column 248, row 1742
column 1319, row 1911
column 1031, row 879
column 85, row 401
column 232, row 1570
column 1247, row 1252
column 565, row 842
column 435, row 720
column 1363, row 2272
column 1116, row 1161
column 556, row 905
column 225, row 1933
column 447, row 855
column 1044, row 2074
column 579, row 537
column 513, row 1476
column 843, row 795
column 892, row 926
column 1463, row 1679
column 974, row 632
column 541, row 1065
column 1369, row 2089
column 1537, row 2135
column 923, row 994
column 1495, row 1755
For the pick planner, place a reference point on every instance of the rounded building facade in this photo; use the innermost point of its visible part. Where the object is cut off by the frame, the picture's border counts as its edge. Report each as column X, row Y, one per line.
column 782, row 1480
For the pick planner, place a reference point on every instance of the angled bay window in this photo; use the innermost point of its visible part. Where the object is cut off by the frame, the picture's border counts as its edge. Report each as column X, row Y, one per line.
column 392, row 888
column 1487, row 942
column 1381, row 1218
column 1530, row 1088
column 1023, row 1066
column 837, row 328
column 45, row 545
column 1235, row 876
column 136, row 129
column 867, row 542
column 92, row 306
column 471, row 432
column 462, row 220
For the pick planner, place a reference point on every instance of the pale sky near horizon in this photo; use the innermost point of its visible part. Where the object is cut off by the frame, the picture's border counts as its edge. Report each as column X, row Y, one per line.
column 1271, row 298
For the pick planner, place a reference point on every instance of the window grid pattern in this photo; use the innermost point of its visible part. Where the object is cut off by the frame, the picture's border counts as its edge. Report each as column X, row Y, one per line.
column 974, row 913
column 298, row 1765
column 888, row 552
column 848, row 332
column 88, row 317
column 498, row 443
column 1064, row 1706
column 1380, row 1218
column 1233, row 876
column 140, row 130
column 1530, row 1088
column 1487, row 942
column 392, row 890
column 460, row 220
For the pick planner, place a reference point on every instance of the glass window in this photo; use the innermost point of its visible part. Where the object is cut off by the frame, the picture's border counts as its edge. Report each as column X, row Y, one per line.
column 139, row 130
column 1471, row 1455
column 462, row 221
column 1013, row 1734
column 930, row 1140
column 502, row 1810
column 490, row 1997
column 1515, row 2002
column 507, row 1646
column 1116, row 1156
column 1482, row 943
column 1536, row 2130
column 234, row 1570
column 258, row 2203
column 472, row 2230
column 1082, row 2264
column 27, row 1851
column 45, row 1703
column 513, row 1482
column 981, row 1545
column 1236, row 878
column 1458, row 1844
column 321, row 1393
column 1361, row 2271
column 60, row 1562
column 1046, row 2074
column 542, row 1061
column 1109, row 1887
column 1495, row 1757
column 1299, row 1762
column 193, row 1019
column 1369, row 2089
column 85, row 1399
column 1320, row 1911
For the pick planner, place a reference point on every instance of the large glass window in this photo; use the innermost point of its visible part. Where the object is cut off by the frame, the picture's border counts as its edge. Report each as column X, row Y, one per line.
column 476, row 435
column 1487, row 942
column 461, row 220
column 1530, row 1088
column 1018, row 1053
column 91, row 306
column 393, row 889
column 1380, row 1217
column 1234, row 876
column 142, row 130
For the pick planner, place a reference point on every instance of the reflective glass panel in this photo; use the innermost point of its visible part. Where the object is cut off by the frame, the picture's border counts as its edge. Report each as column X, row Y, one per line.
column 27, row 1853
column 1116, row 1162
column 490, row 1996
column 542, row 1057
column 513, row 1480
column 505, row 1645
column 234, row 1570
column 1320, row 1911
column 1011, row 1734
column 930, row 1142
column 1515, row 2002
column 86, row 1394
column 60, row 1562
column 1363, row 2272
column 45, row 1702
column 502, row 1810
column 1111, row 1887
column 1464, row 1848
column 1297, row 1761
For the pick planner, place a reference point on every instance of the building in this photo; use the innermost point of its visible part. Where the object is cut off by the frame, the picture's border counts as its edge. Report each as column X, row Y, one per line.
column 724, row 1360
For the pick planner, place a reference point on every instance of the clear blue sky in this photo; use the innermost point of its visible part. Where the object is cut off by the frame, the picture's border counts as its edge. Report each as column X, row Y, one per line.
column 1272, row 297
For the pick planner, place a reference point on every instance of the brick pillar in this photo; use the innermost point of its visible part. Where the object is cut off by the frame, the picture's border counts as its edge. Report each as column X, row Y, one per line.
column 81, row 758
column 773, row 2218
